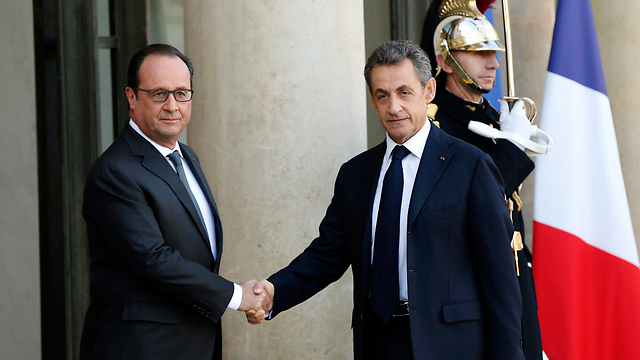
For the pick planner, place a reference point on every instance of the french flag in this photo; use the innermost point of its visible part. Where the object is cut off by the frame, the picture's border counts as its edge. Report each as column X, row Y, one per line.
column 585, row 257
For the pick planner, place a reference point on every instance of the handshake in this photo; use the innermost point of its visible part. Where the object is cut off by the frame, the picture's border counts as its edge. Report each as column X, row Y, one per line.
column 257, row 300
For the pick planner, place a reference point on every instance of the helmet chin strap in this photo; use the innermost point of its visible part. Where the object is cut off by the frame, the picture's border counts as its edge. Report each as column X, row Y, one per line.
column 457, row 68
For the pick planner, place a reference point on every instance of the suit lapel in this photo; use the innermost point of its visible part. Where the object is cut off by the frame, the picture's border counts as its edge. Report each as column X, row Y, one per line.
column 194, row 164
column 435, row 157
column 153, row 161
column 368, row 185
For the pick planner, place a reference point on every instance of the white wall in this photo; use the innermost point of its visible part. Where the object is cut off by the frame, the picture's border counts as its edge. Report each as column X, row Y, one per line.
column 19, row 254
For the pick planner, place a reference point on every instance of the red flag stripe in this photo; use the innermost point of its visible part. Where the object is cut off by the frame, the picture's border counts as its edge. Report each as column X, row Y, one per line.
column 596, row 294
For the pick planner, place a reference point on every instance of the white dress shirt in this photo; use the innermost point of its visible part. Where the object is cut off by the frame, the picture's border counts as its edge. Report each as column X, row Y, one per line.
column 202, row 203
column 410, row 166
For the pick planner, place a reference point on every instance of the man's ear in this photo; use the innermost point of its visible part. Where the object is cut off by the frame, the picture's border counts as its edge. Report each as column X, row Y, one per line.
column 443, row 64
column 430, row 90
column 373, row 103
column 131, row 96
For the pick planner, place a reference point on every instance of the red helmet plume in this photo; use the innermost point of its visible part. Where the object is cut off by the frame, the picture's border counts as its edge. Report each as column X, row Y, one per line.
column 484, row 5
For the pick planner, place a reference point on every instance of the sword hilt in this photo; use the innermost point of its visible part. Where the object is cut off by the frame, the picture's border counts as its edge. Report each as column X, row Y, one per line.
column 532, row 111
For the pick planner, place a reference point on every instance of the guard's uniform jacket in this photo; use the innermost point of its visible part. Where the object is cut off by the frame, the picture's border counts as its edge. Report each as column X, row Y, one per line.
column 453, row 117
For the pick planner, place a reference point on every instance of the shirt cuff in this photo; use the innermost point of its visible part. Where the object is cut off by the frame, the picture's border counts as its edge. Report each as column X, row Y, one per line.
column 236, row 299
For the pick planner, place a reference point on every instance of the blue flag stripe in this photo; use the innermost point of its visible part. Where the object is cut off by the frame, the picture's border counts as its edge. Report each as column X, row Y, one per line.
column 575, row 53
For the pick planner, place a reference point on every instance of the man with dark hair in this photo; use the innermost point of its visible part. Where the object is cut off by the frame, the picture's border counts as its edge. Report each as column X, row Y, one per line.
column 133, row 72
column 422, row 222
column 464, row 48
column 155, row 238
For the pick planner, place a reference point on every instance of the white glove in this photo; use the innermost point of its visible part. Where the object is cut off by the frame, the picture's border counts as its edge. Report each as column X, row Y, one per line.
column 515, row 121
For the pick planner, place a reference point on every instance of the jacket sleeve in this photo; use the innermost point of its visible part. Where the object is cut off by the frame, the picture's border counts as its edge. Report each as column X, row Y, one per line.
column 324, row 261
column 491, row 231
column 513, row 163
column 124, row 235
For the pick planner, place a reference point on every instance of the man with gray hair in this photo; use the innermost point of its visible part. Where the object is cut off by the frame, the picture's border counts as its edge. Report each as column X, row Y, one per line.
column 422, row 222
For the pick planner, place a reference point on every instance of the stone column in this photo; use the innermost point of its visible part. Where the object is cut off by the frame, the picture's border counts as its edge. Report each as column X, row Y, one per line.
column 618, row 34
column 279, row 106
column 19, row 241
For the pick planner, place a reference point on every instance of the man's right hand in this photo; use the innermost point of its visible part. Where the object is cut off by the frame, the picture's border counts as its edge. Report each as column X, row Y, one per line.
column 257, row 300
column 515, row 121
column 265, row 291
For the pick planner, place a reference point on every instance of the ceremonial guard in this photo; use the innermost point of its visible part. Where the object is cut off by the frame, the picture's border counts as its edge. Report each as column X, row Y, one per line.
column 463, row 43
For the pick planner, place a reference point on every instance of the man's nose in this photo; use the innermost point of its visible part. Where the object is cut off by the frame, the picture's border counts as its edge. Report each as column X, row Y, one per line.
column 171, row 104
column 493, row 63
column 394, row 105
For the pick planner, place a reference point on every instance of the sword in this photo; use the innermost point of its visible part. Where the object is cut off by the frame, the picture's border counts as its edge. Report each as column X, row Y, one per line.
column 511, row 97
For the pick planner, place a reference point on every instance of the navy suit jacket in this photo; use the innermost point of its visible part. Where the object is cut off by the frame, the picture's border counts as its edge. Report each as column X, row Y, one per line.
column 155, row 291
column 463, row 292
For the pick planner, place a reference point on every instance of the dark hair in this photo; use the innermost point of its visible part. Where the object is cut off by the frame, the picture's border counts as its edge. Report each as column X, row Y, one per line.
column 394, row 52
column 133, row 73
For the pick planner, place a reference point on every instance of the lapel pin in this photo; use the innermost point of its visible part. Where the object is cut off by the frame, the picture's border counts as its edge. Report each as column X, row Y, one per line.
column 441, row 157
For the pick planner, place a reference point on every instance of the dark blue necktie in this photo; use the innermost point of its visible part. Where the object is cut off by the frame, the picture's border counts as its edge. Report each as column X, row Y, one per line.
column 177, row 162
column 385, row 288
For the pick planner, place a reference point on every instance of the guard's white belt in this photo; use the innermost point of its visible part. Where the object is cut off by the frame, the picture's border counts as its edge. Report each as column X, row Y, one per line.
column 533, row 147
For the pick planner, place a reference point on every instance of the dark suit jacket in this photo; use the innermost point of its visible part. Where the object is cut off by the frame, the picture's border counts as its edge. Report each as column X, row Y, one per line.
column 463, row 293
column 155, row 291
column 454, row 115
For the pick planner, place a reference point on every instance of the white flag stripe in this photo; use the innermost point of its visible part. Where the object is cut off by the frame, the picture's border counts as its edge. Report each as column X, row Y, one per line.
column 583, row 169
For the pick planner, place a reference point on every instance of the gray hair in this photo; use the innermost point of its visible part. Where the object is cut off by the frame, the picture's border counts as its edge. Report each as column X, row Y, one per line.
column 395, row 51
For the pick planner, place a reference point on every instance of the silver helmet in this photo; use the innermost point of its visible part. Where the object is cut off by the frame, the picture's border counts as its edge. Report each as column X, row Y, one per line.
column 463, row 27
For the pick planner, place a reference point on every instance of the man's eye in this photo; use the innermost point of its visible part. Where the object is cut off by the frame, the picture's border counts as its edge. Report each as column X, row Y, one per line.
column 382, row 97
column 181, row 93
column 158, row 94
